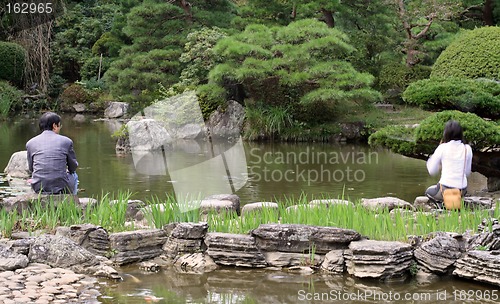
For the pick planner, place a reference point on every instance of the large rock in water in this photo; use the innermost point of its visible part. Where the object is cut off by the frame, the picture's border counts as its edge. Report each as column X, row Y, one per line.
column 116, row 109
column 147, row 135
column 378, row 259
column 299, row 238
column 18, row 165
column 234, row 250
column 481, row 266
column 439, row 254
column 228, row 122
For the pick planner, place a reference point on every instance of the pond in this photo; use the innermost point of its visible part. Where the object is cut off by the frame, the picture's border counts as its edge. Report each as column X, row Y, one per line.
column 232, row 285
column 269, row 171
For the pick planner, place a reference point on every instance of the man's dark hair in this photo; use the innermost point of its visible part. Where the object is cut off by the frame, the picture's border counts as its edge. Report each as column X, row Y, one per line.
column 47, row 120
column 453, row 131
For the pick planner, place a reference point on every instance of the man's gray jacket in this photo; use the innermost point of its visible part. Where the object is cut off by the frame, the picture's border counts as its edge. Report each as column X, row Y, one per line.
column 51, row 158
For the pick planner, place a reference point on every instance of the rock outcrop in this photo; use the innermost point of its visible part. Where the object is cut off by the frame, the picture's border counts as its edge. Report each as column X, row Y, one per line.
column 481, row 266
column 439, row 254
column 378, row 259
column 10, row 260
column 234, row 250
column 135, row 246
column 116, row 109
column 18, row 165
column 91, row 237
column 228, row 122
column 302, row 238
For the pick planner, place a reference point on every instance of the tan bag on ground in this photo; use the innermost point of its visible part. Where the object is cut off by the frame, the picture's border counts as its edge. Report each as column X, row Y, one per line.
column 452, row 199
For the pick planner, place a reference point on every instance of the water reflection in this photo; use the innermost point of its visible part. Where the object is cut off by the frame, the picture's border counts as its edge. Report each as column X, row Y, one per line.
column 231, row 285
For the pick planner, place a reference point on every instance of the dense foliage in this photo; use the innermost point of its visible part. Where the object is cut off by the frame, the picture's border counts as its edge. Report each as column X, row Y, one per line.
column 473, row 54
column 10, row 97
column 421, row 141
column 12, row 60
column 480, row 96
column 301, row 66
column 158, row 31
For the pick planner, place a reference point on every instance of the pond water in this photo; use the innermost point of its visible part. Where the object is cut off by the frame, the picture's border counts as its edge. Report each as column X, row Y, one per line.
column 232, row 285
column 269, row 171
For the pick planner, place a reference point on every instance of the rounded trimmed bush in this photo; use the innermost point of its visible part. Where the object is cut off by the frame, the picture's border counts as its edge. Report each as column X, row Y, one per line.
column 12, row 61
column 480, row 96
column 473, row 54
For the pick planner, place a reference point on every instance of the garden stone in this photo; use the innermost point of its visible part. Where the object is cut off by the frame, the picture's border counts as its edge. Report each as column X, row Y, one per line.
column 58, row 251
column 18, row 165
column 299, row 238
column 194, row 263
column 218, row 206
column 480, row 266
column 175, row 246
column 227, row 122
column 24, row 202
column 10, row 260
column 378, row 259
column 133, row 206
column 190, row 131
column 190, row 231
column 257, row 207
column 20, row 245
column 116, row 109
column 234, row 250
column 147, row 135
column 79, row 107
column 477, row 202
column 423, row 203
column 235, row 199
column 289, row 259
column 330, row 202
column 136, row 246
column 334, row 262
column 438, row 254
column 83, row 202
column 388, row 203
column 93, row 238
column 489, row 240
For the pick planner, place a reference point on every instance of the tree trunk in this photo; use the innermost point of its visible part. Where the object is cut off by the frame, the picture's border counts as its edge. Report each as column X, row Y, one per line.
column 328, row 15
column 488, row 13
column 186, row 6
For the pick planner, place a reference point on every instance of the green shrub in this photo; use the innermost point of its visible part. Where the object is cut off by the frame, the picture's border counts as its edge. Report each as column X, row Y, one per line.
column 56, row 84
column 10, row 98
column 477, row 131
column 473, row 54
column 12, row 61
column 480, row 96
column 73, row 94
column 210, row 96
column 421, row 141
column 397, row 75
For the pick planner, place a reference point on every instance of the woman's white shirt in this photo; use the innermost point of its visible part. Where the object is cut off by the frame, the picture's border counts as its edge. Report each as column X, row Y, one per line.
column 449, row 158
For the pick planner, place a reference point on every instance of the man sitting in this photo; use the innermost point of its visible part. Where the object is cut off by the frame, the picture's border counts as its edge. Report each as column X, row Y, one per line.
column 51, row 159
